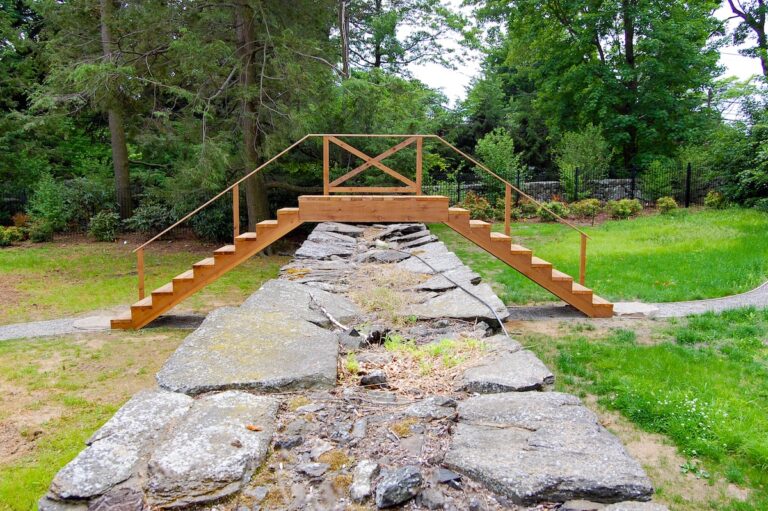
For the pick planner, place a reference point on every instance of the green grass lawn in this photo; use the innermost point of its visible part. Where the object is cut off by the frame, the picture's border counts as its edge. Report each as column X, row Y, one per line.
column 687, row 255
column 88, row 276
column 703, row 384
column 58, row 391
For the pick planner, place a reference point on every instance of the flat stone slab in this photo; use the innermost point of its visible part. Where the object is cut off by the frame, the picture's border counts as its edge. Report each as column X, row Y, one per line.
column 432, row 262
column 554, row 450
column 399, row 230
column 462, row 275
column 506, row 368
column 634, row 309
column 237, row 348
column 349, row 230
column 380, row 256
column 418, row 242
column 636, row 506
column 331, row 237
column 325, row 250
column 301, row 302
column 213, row 451
column 458, row 304
column 114, row 450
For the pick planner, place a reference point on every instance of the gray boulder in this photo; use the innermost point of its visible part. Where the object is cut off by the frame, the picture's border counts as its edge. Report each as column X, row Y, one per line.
column 300, row 302
column 333, row 238
column 554, row 450
column 398, row 486
column 461, row 275
column 252, row 349
column 429, row 238
column 459, row 304
column 349, row 230
column 506, row 368
column 398, row 230
column 114, row 450
column 380, row 256
column 362, row 479
column 325, row 250
column 213, row 451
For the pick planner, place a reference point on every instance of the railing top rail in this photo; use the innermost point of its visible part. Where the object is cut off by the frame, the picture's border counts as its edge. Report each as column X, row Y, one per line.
column 355, row 135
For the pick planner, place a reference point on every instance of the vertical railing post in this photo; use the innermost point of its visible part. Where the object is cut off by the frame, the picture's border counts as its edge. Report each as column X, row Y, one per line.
column 688, row 185
column 419, row 163
column 507, row 208
column 140, row 271
column 236, row 210
column 583, row 259
column 326, row 166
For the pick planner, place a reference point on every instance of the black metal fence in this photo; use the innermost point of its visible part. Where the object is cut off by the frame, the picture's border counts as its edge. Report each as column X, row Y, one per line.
column 687, row 184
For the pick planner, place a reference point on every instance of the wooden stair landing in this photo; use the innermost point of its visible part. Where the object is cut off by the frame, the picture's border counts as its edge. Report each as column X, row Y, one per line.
column 361, row 208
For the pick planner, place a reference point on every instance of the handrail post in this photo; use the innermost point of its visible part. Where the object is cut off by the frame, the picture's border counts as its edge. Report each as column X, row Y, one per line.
column 419, row 163
column 140, row 271
column 326, row 166
column 507, row 209
column 236, row 210
column 583, row 259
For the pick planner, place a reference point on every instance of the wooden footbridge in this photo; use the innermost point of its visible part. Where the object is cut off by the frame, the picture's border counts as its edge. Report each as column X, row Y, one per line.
column 341, row 202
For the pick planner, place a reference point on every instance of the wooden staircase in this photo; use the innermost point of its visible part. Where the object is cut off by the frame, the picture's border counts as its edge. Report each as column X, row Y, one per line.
column 209, row 269
column 363, row 208
column 522, row 259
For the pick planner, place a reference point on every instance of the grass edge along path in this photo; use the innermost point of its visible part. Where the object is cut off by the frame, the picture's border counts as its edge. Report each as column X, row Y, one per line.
column 686, row 255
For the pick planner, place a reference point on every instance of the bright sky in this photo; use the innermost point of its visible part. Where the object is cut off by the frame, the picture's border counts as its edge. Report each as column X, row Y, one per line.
column 454, row 83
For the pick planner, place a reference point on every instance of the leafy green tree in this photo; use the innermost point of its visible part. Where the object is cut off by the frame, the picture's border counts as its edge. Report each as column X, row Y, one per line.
column 751, row 14
column 497, row 151
column 586, row 152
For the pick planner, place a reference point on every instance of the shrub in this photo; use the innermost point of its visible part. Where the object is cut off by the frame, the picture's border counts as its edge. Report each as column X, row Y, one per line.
column 528, row 209
column 15, row 234
column 47, row 203
column 715, row 200
column 479, row 208
column 40, row 231
column 213, row 223
column 20, row 220
column 104, row 226
column 760, row 204
column 624, row 208
column 84, row 198
column 4, row 238
column 655, row 182
column 586, row 150
column 587, row 208
column 555, row 207
column 497, row 150
column 150, row 218
column 666, row 204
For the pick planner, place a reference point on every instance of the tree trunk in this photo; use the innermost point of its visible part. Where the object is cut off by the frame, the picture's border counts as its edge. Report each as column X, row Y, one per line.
column 255, row 191
column 344, row 36
column 116, row 124
column 630, row 149
column 377, row 43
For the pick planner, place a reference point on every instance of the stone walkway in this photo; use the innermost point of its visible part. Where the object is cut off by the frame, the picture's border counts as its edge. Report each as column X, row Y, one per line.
column 252, row 407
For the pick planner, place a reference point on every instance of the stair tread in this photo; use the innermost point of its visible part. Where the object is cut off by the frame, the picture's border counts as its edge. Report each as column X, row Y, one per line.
column 226, row 249
column 479, row 223
column 287, row 210
column 187, row 275
column 519, row 249
column 558, row 275
column 144, row 302
column 596, row 300
column 164, row 289
column 458, row 210
column 536, row 261
column 578, row 289
column 123, row 316
column 500, row 236
column 208, row 261
column 267, row 223
column 246, row 236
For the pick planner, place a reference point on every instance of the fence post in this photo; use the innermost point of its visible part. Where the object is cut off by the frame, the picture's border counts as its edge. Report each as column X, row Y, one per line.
column 688, row 185
column 633, row 179
column 236, row 210
column 576, row 186
column 458, row 189
column 140, row 271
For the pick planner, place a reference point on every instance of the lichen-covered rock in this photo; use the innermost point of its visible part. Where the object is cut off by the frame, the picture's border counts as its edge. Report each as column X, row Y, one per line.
column 114, row 450
column 506, row 368
column 349, row 230
column 397, row 486
column 240, row 348
column 213, row 451
column 300, row 302
column 461, row 304
column 362, row 479
column 334, row 238
column 325, row 250
column 554, row 450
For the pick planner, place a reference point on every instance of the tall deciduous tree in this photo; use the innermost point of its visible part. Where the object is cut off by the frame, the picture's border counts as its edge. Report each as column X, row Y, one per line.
column 751, row 14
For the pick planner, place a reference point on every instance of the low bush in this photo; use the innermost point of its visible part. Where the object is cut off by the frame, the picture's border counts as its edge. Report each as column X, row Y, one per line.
column 479, row 208
column 4, row 238
column 760, row 204
column 104, row 226
column 624, row 208
column 47, row 203
column 150, row 218
column 527, row 209
column 715, row 200
column 83, row 199
column 558, row 208
column 20, row 220
column 586, row 208
column 666, row 204
column 40, row 231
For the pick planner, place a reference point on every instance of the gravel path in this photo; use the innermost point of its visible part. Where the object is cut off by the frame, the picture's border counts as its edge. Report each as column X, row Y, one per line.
column 83, row 324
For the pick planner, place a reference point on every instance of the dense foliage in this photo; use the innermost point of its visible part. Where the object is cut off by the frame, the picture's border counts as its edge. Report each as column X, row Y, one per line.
column 147, row 109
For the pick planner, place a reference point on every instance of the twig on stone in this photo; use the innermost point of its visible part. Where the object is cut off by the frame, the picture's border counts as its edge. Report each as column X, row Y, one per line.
column 327, row 314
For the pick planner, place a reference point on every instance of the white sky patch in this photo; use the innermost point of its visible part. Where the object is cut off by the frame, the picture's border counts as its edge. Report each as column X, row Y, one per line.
column 454, row 83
